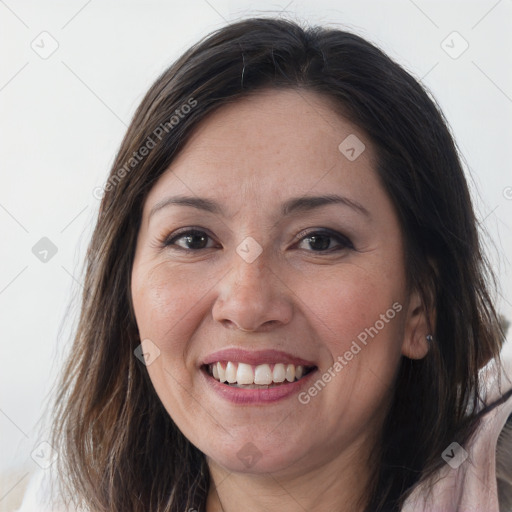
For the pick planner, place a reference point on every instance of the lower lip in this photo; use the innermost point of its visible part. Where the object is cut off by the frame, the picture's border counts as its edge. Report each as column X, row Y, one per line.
column 256, row 396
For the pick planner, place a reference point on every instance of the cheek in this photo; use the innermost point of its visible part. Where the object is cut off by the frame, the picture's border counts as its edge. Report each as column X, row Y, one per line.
column 353, row 299
column 164, row 300
column 359, row 317
column 360, row 323
column 164, row 303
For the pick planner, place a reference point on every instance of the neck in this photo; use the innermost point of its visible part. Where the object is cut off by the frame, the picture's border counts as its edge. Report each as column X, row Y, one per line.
column 339, row 484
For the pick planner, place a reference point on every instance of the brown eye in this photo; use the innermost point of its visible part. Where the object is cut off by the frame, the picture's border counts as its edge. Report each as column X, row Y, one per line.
column 192, row 240
column 327, row 241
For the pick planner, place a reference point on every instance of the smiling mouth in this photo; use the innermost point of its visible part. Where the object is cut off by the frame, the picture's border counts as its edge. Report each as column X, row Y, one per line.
column 262, row 376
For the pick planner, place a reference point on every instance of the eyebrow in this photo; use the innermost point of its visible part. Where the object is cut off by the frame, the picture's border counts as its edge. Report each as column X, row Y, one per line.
column 293, row 205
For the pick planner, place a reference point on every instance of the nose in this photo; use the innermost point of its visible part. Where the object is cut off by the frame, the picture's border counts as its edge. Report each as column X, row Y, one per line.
column 252, row 297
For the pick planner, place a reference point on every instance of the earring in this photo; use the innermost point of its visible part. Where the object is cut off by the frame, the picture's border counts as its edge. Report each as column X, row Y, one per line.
column 429, row 338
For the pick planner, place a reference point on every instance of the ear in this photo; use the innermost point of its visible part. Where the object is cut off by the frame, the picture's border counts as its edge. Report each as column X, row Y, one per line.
column 417, row 326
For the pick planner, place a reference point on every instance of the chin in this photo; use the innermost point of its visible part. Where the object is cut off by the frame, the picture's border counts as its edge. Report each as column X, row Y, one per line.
column 256, row 457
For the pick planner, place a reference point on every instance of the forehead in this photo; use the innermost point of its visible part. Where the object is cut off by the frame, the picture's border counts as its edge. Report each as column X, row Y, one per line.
column 271, row 144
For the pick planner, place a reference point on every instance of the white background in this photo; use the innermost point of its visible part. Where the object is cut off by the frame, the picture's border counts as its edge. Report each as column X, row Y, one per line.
column 63, row 118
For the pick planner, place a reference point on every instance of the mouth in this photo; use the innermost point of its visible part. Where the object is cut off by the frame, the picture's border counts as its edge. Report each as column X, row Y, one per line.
column 262, row 376
column 256, row 377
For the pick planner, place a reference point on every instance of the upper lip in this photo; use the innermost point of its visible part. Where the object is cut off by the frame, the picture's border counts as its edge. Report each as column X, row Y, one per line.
column 255, row 357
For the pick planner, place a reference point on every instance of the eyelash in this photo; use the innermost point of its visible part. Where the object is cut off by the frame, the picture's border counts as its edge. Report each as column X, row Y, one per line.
column 343, row 241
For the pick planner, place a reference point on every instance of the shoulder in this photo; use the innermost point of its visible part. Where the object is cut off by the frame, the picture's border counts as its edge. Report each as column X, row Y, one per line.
column 470, row 482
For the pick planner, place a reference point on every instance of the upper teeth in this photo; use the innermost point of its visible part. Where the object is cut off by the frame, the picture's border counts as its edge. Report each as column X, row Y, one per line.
column 262, row 374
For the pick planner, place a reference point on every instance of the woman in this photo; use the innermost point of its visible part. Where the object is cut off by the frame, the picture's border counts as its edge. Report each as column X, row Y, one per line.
column 286, row 304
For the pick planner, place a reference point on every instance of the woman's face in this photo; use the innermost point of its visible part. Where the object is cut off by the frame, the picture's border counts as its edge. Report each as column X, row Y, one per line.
column 273, row 280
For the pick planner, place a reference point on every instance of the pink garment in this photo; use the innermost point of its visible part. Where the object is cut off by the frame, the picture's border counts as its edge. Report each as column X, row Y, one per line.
column 472, row 486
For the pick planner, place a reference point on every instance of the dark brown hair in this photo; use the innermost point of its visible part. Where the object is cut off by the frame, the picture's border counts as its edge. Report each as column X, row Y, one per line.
column 119, row 449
